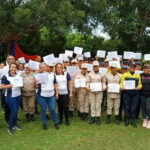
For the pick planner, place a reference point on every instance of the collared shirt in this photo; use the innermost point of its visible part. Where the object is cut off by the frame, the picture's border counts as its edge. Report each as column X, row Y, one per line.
column 10, row 92
column 28, row 88
column 113, row 79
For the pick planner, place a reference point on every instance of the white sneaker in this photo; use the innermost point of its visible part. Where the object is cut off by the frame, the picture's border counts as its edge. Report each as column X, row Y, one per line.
column 144, row 123
column 148, row 125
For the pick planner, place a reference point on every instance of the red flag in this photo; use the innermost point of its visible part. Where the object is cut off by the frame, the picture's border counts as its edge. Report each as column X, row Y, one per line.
column 17, row 52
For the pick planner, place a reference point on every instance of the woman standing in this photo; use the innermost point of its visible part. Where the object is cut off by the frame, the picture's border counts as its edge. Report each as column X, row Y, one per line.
column 131, row 96
column 28, row 94
column 145, row 96
column 46, row 95
column 63, row 80
column 12, row 96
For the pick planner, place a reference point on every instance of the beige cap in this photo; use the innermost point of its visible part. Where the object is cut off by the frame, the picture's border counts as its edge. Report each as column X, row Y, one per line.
column 95, row 63
column 66, row 60
column 105, row 60
column 26, row 65
column 51, row 65
column 113, row 65
column 146, row 65
column 74, row 61
column 84, row 65
column 80, row 59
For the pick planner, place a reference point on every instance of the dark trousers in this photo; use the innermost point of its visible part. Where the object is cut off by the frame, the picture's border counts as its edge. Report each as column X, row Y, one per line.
column 145, row 105
column 2, row 100
column 130, row 104
column 138, row 108
column 121, row 105
column 5, row 107
column 63, row 106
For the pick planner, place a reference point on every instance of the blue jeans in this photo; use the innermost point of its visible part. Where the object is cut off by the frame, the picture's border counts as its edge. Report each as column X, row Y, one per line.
column 13, row 103
column 43, row 101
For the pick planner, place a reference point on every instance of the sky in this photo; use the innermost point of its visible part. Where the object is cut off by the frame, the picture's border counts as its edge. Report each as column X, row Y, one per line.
column 99, row 32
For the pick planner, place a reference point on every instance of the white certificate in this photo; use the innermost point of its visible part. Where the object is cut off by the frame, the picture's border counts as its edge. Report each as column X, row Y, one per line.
column 117, row 63
column 63, row 56
column 89, row 67
column 101, row 53
column 103, row 70
column 42, row 78
column 58, row 60
column 129, row 85
column 69, row 53
column 33, row 65
column 87, row 54
column 49, row 59
column 80, row 56
column 119, row 57
column 4, row 71
column 96, row 87
column 80, row 83
column 113, row 88
column 16, row 81
column 139, row 72
column 113, row 54
column 128, row 55
column 137, row 56
column 72, row 70
column 22, row 60
column 78, row 50
column 147, row 57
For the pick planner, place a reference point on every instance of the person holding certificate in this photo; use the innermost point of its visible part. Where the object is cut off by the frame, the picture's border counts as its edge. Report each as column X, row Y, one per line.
column 81, row 80
column 28, row 94
column 131, row 84
column 64, row 83
column 96, row 86
column 113, row 93
column 10, row 59
column 145, row 96
column 47, row 89
column 12, row 96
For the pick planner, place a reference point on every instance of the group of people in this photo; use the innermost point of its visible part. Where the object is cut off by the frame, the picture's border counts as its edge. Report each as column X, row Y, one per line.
column 59, row 90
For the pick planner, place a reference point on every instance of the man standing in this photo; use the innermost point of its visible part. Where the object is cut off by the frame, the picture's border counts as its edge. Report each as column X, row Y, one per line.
column 113, row 98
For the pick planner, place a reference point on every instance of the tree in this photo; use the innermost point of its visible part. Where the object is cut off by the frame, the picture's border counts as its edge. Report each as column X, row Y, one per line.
column 25, row 18
column 128, row 21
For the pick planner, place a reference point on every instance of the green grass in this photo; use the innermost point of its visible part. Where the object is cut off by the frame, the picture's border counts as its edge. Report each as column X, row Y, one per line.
column 78, row 136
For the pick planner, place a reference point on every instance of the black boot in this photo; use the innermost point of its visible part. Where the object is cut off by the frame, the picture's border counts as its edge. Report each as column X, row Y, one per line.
column 92, row 120
column 67, row 122
column 32, row 118
column 78, row 113
column 120, row 117
column 56, row 126
column 117, row 121
column 27, row 117
column 133, row 123
column 85, row 117
column 47, row 117
column 71, row 114
column 126, row 121
column 82, row 116
column 60, row 120
column 98, row 121
column 108, row 121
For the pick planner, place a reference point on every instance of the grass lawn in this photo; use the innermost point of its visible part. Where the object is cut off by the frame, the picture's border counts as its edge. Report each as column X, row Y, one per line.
column 78, row 136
